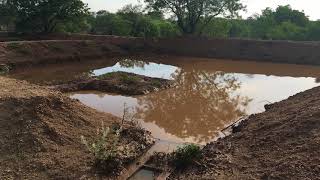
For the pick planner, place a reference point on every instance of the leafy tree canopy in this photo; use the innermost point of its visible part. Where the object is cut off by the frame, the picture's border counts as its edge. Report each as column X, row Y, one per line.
column 45, row 15
column 189, row 13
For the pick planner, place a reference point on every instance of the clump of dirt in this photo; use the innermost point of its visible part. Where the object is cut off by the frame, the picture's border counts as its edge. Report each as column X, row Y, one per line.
column 117, row 82
column 281, row 143
column 40, row 133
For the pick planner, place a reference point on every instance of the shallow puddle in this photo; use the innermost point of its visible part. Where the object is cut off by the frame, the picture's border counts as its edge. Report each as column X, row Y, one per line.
column 209, row 94
column 143, row 174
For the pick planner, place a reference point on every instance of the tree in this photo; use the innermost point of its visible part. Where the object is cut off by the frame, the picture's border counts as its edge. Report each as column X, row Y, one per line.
column 313, row 31
column 262, row 24
column 282, row 23
column 110, row 24
column 218, row 28
column 189, row 13
column 45, row 15
column 239, row 29
column 167, row 28
column 7, row 16
column 287, row 14
column 141, row 25
column 287, row 30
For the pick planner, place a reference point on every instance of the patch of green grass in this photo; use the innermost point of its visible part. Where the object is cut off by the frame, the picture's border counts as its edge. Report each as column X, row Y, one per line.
column 106, row 76
column 185, row 156
column 156, row 83
column 123, row 77
column 128, row 79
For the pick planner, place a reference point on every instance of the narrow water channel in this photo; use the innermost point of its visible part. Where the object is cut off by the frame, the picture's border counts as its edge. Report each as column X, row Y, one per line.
column 209, row 94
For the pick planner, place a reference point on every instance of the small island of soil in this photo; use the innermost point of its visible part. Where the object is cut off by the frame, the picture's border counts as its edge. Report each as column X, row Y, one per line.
column 117, row 82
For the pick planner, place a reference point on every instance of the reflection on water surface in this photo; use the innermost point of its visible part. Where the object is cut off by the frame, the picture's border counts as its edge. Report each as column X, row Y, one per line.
column 141, row 68
column 204, row 100
column 209, row 94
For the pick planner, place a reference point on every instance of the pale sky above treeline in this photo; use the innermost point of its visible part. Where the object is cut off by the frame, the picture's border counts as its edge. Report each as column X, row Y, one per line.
column 310, row 7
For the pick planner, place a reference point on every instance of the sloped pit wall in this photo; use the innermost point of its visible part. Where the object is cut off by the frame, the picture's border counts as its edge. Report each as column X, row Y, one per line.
column 73, row 46
column 293, row 52
column 27, row 53
column 267, row 51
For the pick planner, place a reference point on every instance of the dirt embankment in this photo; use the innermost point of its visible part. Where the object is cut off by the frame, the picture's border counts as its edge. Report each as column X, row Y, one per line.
column 28, row 53
column 293, row 52
column 40, row 133
column 239, row 49
column 117, row 82
column 281, row 143
column 58, row 47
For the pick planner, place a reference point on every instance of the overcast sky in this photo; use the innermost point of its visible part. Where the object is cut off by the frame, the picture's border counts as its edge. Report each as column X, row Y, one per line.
column 310, row 7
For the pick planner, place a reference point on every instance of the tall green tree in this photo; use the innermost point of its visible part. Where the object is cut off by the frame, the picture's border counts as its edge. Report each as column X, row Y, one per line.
column 287, row 14
column 189, row 13
column 282, row 23
column 43, row 16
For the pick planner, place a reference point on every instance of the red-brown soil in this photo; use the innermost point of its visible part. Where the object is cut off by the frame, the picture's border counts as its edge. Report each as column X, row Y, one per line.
column 40, row 133
column 281, row 143
column 30, row 53
column 117, row 82
column 40, row 129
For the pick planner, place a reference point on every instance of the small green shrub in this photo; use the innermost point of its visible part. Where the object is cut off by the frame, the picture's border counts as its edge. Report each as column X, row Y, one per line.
column 104, row 149
column 156, row 83
column 122, row 76
column 185, row 156
column 129, row 79
column 106, row 76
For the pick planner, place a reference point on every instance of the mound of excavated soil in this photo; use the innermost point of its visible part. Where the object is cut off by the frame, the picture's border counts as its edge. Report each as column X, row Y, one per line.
column 117, row 82
column 281, row 143
column 40, row 133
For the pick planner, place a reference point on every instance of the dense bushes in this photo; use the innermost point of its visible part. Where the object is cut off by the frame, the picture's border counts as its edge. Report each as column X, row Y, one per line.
column 283, row 23
column 131, row 21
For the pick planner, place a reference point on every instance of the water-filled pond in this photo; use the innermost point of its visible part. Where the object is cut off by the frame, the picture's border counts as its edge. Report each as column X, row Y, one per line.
column 208, row 95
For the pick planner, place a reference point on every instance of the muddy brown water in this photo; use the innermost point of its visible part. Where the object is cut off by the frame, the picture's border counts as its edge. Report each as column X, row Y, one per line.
column 209, row 94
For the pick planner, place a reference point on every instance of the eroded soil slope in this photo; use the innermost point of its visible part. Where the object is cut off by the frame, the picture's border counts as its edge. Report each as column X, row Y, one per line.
column 281, row 143
column 40, row 133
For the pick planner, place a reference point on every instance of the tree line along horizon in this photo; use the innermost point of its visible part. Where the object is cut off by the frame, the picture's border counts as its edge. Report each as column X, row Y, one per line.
column 159, row 18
